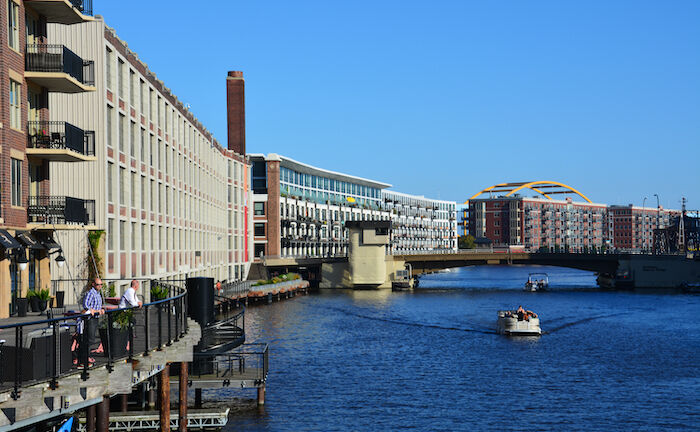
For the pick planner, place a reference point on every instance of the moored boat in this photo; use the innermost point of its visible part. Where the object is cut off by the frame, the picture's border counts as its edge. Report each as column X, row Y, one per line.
column 518, row 322
column 537, row 282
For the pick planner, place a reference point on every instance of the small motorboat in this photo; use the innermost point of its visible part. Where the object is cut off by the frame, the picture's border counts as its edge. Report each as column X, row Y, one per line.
column 537, row 282
column 518, row 323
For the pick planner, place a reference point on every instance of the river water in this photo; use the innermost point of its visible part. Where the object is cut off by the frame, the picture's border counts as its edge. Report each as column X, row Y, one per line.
column 430, row 360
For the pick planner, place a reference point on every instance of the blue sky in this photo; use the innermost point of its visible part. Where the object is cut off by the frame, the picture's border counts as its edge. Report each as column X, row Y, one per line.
column 445, row 98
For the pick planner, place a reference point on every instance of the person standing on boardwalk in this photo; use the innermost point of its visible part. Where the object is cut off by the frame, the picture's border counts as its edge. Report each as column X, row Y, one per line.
column 92, row 305
column 129, row 298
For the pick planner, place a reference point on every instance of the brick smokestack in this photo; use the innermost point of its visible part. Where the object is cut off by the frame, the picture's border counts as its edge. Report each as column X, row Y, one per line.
column 235, row 111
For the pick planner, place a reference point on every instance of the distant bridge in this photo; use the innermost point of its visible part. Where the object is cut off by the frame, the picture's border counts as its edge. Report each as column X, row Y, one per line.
column 429, row 263
column 624, row 270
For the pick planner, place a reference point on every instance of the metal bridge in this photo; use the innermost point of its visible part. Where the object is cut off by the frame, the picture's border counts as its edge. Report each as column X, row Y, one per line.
column 546, row 188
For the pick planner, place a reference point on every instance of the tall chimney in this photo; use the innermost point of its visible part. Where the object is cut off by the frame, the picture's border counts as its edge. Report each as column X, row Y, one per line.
column 235, row 111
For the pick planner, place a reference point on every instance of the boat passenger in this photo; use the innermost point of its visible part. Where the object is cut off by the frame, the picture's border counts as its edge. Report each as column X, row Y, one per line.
column 520, row 312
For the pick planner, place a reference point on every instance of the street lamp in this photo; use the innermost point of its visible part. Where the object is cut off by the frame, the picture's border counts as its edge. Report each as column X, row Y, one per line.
column 21, row 259
column 644, row 221
column 658, row 211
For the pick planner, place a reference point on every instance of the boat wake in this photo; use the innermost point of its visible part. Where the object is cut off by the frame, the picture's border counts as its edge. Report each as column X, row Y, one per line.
column 411, row 324
column 582, row 321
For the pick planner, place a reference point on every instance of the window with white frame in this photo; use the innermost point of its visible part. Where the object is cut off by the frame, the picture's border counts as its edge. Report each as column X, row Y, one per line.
column 16, row 191
column 15, row 104
column 13, row 25
column 108, row 67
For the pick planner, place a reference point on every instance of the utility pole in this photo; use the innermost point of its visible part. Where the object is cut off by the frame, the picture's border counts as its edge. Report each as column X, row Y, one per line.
column 681, row 228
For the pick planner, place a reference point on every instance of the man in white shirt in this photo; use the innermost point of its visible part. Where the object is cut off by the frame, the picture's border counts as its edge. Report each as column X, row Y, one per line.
column 129, row 298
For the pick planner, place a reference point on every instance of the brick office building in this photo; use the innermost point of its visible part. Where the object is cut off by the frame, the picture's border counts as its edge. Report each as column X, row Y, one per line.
column 33, row 67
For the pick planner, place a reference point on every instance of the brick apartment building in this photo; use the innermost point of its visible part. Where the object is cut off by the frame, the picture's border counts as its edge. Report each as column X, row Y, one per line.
column 33, row 67
column 563, row 225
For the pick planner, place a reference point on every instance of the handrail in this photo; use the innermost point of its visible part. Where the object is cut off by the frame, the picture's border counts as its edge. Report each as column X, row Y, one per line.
column 54, row 343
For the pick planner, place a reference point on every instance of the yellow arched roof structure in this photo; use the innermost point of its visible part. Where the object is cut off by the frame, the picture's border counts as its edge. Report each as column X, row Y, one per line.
column 543, row 187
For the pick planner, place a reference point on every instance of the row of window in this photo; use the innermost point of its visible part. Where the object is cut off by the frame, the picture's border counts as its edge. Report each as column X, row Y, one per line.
column 137, row 236
column 326, row 184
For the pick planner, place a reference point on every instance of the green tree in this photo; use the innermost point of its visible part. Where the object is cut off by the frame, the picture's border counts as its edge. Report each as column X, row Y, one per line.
column 466, row 242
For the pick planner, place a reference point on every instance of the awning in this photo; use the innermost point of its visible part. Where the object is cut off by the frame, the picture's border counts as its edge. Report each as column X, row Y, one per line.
column 46, row 239
column 29, row 241
column 7, row 241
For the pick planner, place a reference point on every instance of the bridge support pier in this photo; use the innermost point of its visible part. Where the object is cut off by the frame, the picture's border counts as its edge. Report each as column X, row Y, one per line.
column 367, row 252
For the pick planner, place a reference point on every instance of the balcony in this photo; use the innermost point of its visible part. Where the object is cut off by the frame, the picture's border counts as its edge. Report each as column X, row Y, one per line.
column 59, row 141
column 62, row 11
column 58, row 69
column 60, row 210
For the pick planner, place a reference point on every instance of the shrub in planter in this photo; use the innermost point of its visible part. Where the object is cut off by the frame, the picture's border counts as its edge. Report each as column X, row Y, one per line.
column 44, row 296
column 118, row 333
column 159, row 292
column 33, row 299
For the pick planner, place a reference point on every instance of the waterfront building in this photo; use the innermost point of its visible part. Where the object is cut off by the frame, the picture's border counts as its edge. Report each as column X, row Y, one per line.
column 420, row 224
column 301, row 210
column 169, row 200
column 631, row 228
column 541, row 224
column 34, row 67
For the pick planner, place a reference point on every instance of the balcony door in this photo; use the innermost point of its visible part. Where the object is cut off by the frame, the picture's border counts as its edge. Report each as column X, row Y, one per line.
column 35, row 178
column 33, row 34
column 33, row 113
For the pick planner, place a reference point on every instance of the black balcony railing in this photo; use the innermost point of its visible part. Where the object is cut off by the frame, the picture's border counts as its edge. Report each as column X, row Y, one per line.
column 84, row 6
column 60, row 210
column 60, row 135
column 58, row 58
column 45, row 350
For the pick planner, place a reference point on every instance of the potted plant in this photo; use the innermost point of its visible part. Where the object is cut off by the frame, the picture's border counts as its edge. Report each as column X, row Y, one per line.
column 115, row 344
column 33, row 299
column 159, row 292
column 43, row 299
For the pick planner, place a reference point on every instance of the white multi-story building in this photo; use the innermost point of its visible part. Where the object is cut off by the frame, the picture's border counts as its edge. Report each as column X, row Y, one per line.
column 170, row 200
column 301, row 210
column 420, row 224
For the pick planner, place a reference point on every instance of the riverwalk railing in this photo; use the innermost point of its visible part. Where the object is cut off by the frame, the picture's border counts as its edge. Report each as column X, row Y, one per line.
column 276, row 288
column 247, row 362
column 44, row 350
column 235, row 289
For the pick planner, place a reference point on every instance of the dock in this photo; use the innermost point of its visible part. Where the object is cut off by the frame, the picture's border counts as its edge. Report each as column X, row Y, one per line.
column 197, row 419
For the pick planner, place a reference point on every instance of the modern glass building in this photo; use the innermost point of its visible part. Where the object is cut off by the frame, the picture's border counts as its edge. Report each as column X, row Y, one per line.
column 301, row 210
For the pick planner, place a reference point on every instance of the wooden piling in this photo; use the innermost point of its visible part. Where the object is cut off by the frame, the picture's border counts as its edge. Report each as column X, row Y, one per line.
column 182, row 402
column 164, row 396
column 261, row 395
column 103, row 415
column 125, row 402
column 90, row 418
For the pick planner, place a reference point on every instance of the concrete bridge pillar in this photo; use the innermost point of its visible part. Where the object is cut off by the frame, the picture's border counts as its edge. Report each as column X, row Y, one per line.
column 367, row 252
